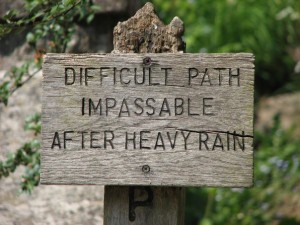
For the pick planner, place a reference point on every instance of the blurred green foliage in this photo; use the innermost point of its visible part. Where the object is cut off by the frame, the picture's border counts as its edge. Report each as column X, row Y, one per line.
column 268, row 28
column 28, row 155
column 51, row 22
column 277, row 181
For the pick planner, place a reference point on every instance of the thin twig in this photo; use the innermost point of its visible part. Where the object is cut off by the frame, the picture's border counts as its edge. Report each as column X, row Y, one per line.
column 15, row 25
column 25, row 81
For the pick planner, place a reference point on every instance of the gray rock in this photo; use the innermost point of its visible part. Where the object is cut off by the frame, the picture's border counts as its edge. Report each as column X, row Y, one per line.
column 145, row 32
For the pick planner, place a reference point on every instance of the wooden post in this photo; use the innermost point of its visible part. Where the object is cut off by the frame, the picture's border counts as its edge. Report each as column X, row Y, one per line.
column 212, row 100
column 145, row 33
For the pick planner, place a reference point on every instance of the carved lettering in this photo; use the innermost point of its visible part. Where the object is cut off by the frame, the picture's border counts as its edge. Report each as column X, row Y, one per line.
column 56, row 141
column 69, row 76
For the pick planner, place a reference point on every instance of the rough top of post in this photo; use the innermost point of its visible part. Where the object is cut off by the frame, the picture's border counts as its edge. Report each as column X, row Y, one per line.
column 146, row 33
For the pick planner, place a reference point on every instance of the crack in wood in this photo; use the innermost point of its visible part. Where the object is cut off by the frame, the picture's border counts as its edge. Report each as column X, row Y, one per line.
column 214, row 131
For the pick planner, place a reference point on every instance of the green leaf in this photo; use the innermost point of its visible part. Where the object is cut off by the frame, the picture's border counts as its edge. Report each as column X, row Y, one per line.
column 205, row 222
column 90, row 18
column 68, row 2
column 96, row 8
column 4, row 92
column 33, row 123
column 10, row 14
column 30, row 38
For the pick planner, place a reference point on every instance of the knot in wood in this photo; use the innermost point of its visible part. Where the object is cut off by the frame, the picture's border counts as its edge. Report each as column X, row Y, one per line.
column 145, row 32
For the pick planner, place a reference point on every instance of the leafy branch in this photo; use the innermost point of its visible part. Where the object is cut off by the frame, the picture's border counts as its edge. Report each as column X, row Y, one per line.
column 52, row 23
column 28, row 155
column 11, row 21
column 16, row 78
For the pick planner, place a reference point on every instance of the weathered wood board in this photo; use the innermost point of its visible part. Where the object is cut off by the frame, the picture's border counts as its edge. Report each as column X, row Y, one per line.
column 148, row 119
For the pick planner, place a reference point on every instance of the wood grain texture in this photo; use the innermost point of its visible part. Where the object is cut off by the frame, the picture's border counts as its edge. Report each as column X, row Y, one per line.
column 146, row 33
column 178, row 166
column 230, row 109
column 167, row 206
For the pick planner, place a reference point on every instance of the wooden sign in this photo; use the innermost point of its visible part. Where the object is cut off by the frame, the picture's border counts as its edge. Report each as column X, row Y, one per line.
column 148, row 119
